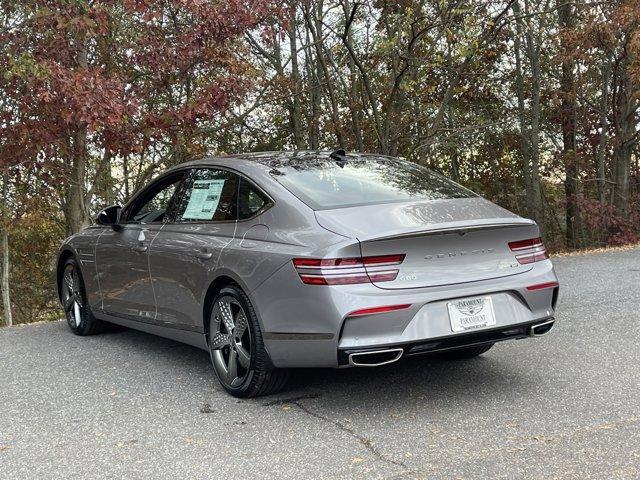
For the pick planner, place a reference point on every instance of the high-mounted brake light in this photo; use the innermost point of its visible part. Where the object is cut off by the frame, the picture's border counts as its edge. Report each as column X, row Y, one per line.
column 529, row 251
column 346, row 271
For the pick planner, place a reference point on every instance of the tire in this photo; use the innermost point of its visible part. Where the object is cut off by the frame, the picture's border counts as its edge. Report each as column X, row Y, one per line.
column 237, row 350
column 466, row 353
column 73, row 298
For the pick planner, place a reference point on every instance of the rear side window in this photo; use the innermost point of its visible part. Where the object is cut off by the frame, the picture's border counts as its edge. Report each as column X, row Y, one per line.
column 323, row 183
column 210, row 196
column 251, row 201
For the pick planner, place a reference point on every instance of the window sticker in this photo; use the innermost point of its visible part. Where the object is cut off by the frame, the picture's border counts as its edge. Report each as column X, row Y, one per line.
column 204, row 199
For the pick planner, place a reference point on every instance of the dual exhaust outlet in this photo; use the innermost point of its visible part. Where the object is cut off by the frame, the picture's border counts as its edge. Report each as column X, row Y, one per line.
column 377, row 358
column 541, row 328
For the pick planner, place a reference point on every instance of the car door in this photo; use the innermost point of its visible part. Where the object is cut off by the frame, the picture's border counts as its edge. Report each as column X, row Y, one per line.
column 185, row 253
column 122, row 254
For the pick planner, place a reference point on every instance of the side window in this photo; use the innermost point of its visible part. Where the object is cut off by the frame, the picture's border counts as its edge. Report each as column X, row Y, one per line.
column 250, row 200
column 153, row 205
column 210, row 196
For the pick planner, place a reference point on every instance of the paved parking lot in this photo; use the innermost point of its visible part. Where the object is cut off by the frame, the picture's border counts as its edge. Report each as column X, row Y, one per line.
column 129, row 405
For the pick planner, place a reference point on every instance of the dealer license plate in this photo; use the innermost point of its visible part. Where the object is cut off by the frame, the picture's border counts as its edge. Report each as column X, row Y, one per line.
column 471, row 314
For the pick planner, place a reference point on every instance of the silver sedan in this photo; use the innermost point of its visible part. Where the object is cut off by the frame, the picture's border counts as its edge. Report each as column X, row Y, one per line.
column 272, row 261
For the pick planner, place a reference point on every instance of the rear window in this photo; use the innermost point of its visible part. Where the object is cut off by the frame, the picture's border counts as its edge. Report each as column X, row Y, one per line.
column 324, row 183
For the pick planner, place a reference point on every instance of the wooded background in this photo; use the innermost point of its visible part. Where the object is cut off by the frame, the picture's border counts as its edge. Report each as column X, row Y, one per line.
column 531, row 103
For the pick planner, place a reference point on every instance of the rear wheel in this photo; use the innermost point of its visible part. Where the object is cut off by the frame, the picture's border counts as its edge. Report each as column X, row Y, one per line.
column 466, row 353
column 237, row 350
column 74, row 301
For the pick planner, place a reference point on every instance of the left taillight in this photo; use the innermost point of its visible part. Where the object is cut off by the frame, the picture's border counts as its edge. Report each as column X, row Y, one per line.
column 529, row 251
column 347, row 271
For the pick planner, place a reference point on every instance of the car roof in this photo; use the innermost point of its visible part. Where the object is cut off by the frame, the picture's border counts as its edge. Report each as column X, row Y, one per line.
column 274, row 158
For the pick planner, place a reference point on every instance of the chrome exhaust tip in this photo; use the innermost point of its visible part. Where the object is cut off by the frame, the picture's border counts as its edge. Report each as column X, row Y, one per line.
column 375, row 358
column 541, row 328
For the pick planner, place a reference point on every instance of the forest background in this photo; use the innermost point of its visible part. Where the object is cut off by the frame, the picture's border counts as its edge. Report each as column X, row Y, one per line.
column 531, row 103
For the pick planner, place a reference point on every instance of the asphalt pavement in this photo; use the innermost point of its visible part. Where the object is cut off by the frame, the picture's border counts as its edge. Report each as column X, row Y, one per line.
column 130, row 405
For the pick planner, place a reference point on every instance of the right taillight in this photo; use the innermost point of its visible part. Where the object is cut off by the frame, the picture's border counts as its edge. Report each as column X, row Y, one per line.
column 529, row 251
column 347, row 271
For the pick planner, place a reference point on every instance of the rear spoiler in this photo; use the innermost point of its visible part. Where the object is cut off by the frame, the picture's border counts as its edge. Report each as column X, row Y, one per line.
column 461, row 227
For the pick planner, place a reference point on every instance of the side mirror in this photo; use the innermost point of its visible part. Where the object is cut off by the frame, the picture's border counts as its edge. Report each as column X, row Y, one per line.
column 110, row 216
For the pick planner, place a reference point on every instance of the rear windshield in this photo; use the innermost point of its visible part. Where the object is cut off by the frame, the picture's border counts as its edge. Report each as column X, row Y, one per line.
column 324, row 183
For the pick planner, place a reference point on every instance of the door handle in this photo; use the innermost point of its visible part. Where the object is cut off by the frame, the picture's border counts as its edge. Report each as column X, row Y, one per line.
column 140, row 247
column 204, row 255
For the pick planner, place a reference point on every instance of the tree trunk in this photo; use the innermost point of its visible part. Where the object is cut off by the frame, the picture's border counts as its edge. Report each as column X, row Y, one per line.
column 455, row 166
column 315, row 97
column 125, row 174
column 368, row 93
column 6, row 297
column 76, row 215
column 625, row 128
column 602, row 140
column 568, row 120
column 529, row 120
column 355, row 110
column 534, row 133
column 4, row 243
column 524, row 138
column 295, row 115
column 314, row 19
column 75, row 211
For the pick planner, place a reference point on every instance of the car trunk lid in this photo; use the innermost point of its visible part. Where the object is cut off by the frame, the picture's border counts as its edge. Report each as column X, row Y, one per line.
column 444, row 241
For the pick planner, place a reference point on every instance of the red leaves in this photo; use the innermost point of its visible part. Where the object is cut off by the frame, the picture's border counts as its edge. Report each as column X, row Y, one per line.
column 127, row 71
column 608, row 222
column 85, row 96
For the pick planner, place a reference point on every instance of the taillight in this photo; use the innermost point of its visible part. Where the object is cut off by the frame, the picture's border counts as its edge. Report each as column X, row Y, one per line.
column 529, row 251
column 347, row 271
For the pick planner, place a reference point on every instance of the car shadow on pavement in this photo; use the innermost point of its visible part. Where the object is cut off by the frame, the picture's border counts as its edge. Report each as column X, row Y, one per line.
column 427, row 378
column 176, row 353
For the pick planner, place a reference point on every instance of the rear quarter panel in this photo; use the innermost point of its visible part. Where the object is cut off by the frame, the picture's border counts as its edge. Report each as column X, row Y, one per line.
column 262, row 252
column 265, row 243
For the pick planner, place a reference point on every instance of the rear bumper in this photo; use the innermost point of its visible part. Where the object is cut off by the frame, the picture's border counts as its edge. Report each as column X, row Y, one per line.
column 309, row 326
column 452, row 342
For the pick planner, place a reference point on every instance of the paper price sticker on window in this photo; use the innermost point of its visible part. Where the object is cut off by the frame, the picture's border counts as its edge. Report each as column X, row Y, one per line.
column 204, row 199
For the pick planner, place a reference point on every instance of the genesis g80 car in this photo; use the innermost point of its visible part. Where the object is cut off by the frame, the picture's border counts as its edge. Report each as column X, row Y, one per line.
column 272, row 261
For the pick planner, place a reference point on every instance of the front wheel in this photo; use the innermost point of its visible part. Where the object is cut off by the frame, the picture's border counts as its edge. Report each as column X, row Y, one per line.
column 74, row 301
column 237, row 350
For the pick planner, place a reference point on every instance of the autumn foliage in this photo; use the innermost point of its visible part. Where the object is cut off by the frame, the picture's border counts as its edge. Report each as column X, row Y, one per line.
column 82, row 78
column 533, row 103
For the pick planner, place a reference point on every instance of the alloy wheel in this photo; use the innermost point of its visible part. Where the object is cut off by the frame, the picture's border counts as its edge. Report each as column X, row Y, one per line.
column 230, row 341
column 72, row 296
